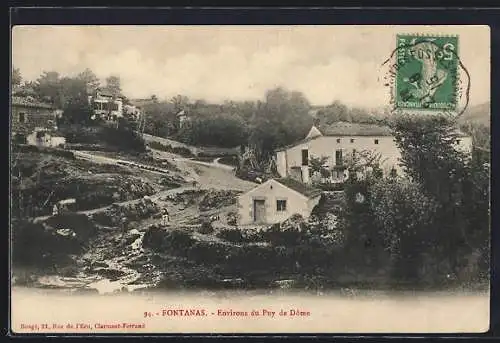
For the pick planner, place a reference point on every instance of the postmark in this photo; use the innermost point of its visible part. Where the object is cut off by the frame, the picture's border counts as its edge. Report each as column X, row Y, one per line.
column 424, row 75
column 427, row 73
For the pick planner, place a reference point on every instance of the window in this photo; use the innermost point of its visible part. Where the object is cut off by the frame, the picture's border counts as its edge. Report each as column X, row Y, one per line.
column 305, row 157
column 376, row 141
column 22, row 117
column 458, row 141
column 338, row 157
column 353, row 152
column 338, row 140
column 114, row 106
column 280, row 205
column 352, row 140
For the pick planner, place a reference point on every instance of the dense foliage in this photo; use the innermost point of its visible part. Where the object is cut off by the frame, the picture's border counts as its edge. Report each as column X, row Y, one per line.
column 432, row 225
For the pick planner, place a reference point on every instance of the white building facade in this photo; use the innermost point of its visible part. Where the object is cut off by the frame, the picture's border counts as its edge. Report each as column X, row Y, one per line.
column 340, row 142
column 106, row 106
column 275, row 201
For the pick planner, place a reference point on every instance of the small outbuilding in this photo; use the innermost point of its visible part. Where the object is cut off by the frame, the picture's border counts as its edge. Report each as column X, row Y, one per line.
column 276, row 200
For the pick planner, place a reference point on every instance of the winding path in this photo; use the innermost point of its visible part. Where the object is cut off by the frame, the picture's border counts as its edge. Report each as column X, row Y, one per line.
column 213, row 176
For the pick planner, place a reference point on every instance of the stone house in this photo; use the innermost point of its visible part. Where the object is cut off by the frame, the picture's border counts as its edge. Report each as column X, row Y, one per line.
column 27, row 114
column 275, row 201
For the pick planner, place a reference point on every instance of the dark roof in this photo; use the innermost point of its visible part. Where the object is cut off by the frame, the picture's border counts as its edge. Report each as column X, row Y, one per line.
column 27, row 102
column 345, row 129
column 107, row 92
column 300, row 187
column 354, row 129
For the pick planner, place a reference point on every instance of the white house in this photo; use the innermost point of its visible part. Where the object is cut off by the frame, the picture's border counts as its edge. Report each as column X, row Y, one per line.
column 44, row 138
column 275, row 201
column 106, row 105
column 340, row 141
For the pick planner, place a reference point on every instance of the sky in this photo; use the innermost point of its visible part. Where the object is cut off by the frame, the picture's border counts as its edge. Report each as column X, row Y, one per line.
column 218, row 63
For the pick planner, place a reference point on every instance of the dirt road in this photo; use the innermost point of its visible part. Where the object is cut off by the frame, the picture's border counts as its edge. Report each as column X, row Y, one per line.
column 208, row 175
column 153, row 197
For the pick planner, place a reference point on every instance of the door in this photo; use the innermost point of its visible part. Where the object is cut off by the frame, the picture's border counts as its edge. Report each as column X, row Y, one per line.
column 305, row 157
column 338, row 157
column 259, row 211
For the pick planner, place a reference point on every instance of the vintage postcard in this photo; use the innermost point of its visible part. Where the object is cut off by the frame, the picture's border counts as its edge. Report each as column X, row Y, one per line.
column 250, row 179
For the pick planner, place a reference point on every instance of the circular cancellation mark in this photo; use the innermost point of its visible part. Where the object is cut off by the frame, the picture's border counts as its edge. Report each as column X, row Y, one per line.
column 424, row 75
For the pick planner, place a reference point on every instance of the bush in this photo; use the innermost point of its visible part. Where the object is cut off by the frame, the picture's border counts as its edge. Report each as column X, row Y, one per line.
column 182, row 151
column 185, row 152
column 43, row 245
column 231, row 235
column 43, row 150
column 232, row 218
column 19, row 139
column 331, row 187
column 206, row 228
column 123, row 137
column 229, row 160
column 176, row 241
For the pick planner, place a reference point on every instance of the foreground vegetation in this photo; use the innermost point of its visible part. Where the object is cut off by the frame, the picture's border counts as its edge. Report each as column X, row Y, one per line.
column 428, row 229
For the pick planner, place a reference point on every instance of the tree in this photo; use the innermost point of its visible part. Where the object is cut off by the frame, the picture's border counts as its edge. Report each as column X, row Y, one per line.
column 16, row 77
column 280, row 120
column 113, row 84
column 180, row 102
column 318, row 165
column 405, row 218
column 451, row 178
column 91, row 80
column 48, row 87
column 75, row 102
column 220, row 131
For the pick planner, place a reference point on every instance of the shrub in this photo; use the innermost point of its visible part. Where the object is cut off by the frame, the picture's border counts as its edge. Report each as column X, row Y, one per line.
column 206, row 228
column 231, row 235
column 331, row 187
column 176, row 241
column 185, row 152
column 42, row 245
column 122, row 137
column 229, row 160
column 44, row 150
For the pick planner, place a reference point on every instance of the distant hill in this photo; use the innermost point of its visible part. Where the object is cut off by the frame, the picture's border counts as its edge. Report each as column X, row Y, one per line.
column 479, row 114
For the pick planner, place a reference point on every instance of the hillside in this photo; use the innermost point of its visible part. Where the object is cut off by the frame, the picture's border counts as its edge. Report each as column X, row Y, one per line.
column 479, row 114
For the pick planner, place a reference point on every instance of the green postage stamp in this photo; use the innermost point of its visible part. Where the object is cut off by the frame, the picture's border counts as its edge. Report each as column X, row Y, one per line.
column 426, row 77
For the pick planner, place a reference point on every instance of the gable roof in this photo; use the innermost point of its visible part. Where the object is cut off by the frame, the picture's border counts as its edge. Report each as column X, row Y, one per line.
column 354, row 129
column 299, row 187
column 314, row 132
column 27, row 102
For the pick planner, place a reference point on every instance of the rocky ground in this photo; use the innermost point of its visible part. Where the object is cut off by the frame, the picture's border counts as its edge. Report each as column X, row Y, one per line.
column 121, row 243
column 103, row 245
